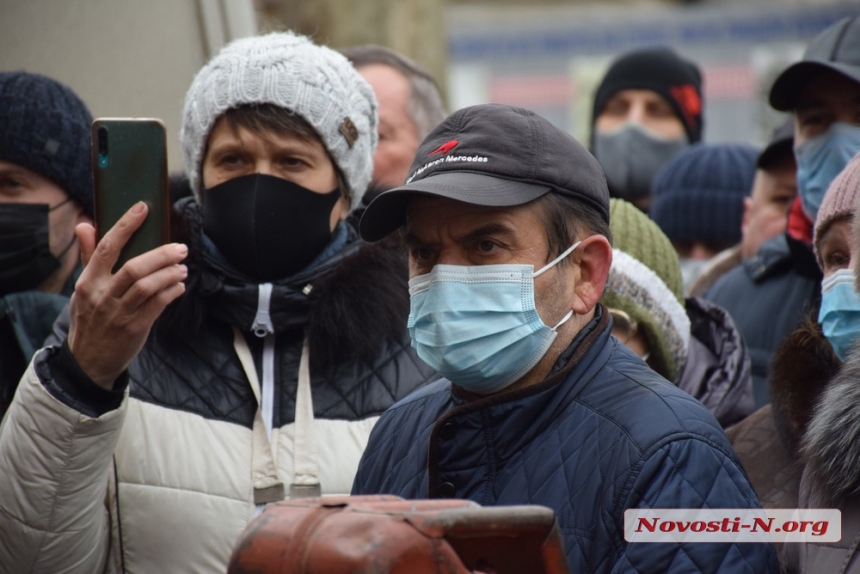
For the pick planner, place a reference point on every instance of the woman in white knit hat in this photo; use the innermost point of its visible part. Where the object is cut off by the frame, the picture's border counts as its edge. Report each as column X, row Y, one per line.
column 245, row 365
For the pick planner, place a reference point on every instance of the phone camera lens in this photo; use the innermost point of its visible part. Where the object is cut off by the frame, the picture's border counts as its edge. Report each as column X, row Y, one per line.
column 103, row 146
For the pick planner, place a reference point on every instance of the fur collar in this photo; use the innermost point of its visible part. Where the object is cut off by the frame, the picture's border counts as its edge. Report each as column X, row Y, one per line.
column 831, row 446
column 802, row 367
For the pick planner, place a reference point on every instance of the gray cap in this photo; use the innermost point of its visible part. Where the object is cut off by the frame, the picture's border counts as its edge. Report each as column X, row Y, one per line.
column 493, row 155
column 837, row 49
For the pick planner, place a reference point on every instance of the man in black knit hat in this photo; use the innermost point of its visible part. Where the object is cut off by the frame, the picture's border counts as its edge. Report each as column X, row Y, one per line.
column 45, row 191
column 647, row 108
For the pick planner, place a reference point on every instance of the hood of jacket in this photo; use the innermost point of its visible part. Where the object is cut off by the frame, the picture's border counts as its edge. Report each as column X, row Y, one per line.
column 370, row 281
column 830, row 448
column 718, row 370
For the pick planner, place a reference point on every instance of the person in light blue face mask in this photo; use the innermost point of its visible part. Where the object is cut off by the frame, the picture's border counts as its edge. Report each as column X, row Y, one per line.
column 773, row 292
column 819, row 161
column 822, row 91
column 829, row 417
column 839, row 314
column 806, row 364
column 505, row 218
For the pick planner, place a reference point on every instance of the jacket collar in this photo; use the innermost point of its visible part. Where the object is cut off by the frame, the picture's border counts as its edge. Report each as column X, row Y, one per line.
column 346, row 305
column 525, row 412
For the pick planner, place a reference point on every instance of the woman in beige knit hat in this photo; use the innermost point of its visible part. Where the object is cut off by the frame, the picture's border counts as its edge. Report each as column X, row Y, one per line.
column 829, row 449
column 777, row 441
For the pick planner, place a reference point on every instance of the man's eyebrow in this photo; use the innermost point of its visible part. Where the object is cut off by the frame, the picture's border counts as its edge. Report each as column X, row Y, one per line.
column 13, row 172
column 410, row 238
column 494, row 228
column 809, row 104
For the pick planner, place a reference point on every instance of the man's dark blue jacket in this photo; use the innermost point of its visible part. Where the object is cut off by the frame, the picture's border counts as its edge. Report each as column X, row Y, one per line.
column 601, row 434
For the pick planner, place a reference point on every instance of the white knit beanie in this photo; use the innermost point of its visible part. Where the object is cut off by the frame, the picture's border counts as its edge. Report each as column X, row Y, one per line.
column 289, row 71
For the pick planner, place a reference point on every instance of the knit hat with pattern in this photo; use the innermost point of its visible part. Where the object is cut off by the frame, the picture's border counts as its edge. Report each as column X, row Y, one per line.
column 699, row 194
column 290, row 71
column 45, row 127
column 839, row 201
column 645, row 282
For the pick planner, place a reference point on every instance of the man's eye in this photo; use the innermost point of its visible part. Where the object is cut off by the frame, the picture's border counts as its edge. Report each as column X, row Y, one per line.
column 487, row 246
column 421, row 253
column 9, row 183
column 837, row 259
column 661, row 111
column 616, row 108
column 229, row 160
column 812, row 119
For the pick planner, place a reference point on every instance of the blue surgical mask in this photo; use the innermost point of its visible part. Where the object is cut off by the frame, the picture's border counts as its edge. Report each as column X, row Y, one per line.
column 819, row 161
column 478, row 325
column 840, row 311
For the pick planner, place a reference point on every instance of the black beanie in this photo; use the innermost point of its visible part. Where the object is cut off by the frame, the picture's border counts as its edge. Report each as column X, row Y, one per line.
column 45, row 127
column 662, row 71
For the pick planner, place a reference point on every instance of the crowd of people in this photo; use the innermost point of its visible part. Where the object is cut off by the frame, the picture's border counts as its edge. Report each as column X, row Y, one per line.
column 366, row 295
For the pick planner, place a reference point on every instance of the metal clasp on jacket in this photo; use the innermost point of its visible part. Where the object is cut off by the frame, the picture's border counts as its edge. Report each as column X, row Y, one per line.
column 305, row 490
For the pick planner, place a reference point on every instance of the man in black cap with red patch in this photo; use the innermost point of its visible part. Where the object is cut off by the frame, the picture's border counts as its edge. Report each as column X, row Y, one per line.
column 506, row 222
column 647, row 109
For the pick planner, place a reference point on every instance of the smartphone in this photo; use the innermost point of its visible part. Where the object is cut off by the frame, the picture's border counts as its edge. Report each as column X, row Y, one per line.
column 129, row 161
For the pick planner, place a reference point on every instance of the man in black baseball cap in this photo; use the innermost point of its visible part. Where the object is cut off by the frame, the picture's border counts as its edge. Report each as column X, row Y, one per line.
column 822, row 91
column 505, row 218
column 771, row 293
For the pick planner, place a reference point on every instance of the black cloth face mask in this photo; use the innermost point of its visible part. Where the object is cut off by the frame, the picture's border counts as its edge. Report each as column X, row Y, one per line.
column 267, row 227
column 25, row 249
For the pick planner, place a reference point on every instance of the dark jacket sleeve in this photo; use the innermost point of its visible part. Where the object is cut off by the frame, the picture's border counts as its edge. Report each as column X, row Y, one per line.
column 690, row 473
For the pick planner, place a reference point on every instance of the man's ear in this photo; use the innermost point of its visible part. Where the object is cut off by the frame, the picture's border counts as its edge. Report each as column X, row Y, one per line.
column 594, row 261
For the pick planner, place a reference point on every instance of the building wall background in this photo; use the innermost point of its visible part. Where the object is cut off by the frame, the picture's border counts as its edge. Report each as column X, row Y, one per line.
column 137, row 58
column 124, row 58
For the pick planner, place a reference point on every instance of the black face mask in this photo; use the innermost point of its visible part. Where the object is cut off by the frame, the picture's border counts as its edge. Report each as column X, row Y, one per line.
column 25, row 250
column 267, row 227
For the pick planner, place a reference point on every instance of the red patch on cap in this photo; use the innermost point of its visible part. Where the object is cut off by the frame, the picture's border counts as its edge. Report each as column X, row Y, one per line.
column 689, row 101
column 445, row 148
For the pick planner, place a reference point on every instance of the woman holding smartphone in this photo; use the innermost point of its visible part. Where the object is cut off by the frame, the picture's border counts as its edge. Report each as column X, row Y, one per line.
column 243, row 366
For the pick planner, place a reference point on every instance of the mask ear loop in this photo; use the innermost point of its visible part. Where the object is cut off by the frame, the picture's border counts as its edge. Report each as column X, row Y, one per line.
column 563, row 320
column 59, row 205
column 552, row 263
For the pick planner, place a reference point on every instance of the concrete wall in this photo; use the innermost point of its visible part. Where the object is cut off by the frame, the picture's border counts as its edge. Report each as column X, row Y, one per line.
column 124, row 58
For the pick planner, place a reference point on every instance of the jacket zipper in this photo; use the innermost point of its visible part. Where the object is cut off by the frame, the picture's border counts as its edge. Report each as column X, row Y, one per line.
column 263, row 328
